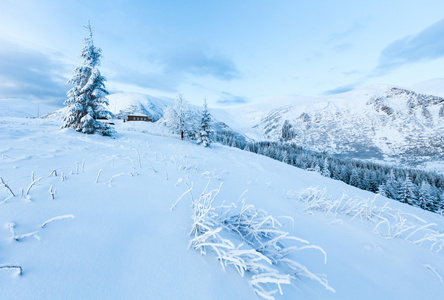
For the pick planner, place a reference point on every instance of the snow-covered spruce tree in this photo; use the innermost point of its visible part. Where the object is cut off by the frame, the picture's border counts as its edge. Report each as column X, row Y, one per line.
column 205, row 127
column 325, row 168
column 86, row 99
column 406, row 191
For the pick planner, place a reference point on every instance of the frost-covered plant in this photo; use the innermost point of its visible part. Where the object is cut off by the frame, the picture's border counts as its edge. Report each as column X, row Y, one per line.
column 261, row 252
column 386, row 221
column 86, row 100
column 16, row 237
column 56, row 218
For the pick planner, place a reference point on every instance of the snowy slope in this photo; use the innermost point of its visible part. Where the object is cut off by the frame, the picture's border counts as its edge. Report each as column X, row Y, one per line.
column 124, row 242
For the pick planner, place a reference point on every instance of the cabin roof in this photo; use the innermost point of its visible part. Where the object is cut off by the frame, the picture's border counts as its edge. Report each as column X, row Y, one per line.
column 137, row 115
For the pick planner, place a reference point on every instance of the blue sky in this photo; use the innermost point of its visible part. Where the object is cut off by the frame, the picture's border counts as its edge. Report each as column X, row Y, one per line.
column 230, row 52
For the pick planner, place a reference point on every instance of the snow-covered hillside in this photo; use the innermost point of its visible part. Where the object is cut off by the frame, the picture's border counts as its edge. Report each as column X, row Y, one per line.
column 110, row 231
column 378, row 122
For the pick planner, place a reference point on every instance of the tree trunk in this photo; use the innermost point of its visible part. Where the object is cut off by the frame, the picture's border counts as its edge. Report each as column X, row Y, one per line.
column 181, row 134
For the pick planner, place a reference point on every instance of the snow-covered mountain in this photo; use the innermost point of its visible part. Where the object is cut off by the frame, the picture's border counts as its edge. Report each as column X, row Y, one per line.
column 374, row 122
column 123, row 104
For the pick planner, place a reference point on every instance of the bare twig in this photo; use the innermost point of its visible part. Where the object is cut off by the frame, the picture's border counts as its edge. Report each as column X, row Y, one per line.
column 186, row 192
column 32, row 183
column 53, row 172
column 431, row 268
column 83, row 166
column 19, row 237
column 112, row 178
column 52, row 192
column 98, row 175
column 56, row 218
column 153, row 169
column 7, row 187
column 138, row 157
column 7, row 198
column 19, row 268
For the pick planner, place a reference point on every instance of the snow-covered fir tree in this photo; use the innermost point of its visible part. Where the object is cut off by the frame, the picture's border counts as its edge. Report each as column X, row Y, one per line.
column 425, row 196
column 381, row 190
column 204, row 133
column 406, row 192
column 86, row 99
column 325, row 169
column 392, row 186
column 354, row 178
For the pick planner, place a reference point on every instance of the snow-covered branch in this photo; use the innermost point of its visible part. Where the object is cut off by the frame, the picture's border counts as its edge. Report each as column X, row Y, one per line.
column 33, row 181
column 22, row 236
column 7, row 187
column 19, row 268
column 56, row 218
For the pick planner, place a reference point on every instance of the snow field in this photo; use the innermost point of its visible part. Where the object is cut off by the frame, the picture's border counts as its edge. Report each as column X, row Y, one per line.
column 124, row 241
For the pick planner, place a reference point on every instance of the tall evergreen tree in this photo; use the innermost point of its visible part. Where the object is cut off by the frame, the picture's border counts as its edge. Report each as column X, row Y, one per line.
column 205, row 127
column 392, row 186
column 86, row 99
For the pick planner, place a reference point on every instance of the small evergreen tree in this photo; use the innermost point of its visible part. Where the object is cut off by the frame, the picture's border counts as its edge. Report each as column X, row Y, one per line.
column 205, row 127
column 406, row 192
column 381, row 190
column 425, row 196
column 355, row 180
column 325, row 168
column 86, row 99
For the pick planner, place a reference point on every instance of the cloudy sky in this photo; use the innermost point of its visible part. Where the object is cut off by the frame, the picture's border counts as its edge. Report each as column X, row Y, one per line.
column 230, row 51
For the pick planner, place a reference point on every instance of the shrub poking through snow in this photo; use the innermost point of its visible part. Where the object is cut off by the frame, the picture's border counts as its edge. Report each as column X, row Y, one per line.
column 386, row 222
column 251, row 241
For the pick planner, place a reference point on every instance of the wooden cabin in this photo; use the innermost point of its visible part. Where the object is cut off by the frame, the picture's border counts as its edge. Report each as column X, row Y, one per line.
column 137, row 118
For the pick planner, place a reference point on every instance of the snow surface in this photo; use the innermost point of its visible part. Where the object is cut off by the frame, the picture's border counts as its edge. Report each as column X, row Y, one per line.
column 113, row 235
